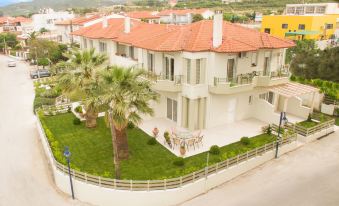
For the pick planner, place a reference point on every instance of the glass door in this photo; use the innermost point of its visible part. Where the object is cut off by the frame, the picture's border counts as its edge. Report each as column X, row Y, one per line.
column 230, row 70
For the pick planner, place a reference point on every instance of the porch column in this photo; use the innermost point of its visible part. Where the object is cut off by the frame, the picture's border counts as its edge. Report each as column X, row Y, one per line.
column 285, row 104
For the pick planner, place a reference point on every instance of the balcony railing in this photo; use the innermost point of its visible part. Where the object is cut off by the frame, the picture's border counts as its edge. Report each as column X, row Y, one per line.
column 238, row 80
column 176, row 79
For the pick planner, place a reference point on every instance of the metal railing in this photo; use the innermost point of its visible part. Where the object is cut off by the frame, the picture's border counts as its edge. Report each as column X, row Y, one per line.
column 176, row 79
column 241, row 79
column 165, row 184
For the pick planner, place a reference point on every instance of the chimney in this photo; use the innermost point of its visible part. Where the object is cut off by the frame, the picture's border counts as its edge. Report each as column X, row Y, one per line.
column 104, row 22
column 127, row 24
column 217, row 28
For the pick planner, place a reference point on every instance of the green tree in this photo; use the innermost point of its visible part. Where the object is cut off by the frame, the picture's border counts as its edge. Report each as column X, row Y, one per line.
column 128, row 97
column 197, row 17
column 43, row 62
column 81, row 75
column 43, row 30
column 8, row 40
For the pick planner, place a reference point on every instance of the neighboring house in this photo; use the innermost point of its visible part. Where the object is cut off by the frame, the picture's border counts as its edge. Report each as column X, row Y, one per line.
column 209, row 73
column 46, row 18
column 20, row 25
column 66, row 27
column 230, row 1
column 304, row 21
column 183, row 16
column 146, row 16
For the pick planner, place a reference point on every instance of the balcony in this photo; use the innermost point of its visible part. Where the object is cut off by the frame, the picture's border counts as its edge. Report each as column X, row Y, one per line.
column 274, row 78
column 165, row 83
column 241, row 83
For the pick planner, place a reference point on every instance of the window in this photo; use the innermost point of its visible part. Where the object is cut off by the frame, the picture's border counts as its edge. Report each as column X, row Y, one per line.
column 254, row 59
column 301, row 27
column 267, row 30
column 329, row 26
column 268, row 96
column 150, row 62
column 91, row 44
column 169, row 68
column 250, row 99
column 131, row 52
column 198, row 70
column 310, row 9
column 85, row 44
column 284, row 26
column 299, row 10
column 102, row 47
column 188, row 71
column 290, row 10
column 172, row 109
column 320, row 9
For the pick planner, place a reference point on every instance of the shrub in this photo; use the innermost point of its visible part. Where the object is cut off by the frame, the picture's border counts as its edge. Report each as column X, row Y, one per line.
column 245, row 140
column 179, row 161
column 167, row 138
column 151, row 141
column 76, row 121
column 130, row 125
column 78, row 109
column 215, row 150
column 267, row 129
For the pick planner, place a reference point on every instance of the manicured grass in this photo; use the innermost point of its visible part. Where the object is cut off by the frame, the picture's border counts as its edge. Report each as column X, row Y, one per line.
column 308, row 124
column 92, row 151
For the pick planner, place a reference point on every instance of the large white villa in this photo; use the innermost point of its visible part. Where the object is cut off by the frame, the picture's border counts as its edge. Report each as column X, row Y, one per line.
column 212, row 76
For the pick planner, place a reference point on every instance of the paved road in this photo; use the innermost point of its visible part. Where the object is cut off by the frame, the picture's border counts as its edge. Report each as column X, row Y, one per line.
column 24, row 177
column 308, row 176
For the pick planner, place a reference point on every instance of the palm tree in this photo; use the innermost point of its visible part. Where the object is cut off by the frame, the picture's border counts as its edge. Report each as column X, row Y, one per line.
column 81, row 75
column 128, row 97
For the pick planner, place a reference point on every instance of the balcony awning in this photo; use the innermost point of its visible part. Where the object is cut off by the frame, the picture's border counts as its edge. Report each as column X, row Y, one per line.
column 292, row 89
column 295, row 33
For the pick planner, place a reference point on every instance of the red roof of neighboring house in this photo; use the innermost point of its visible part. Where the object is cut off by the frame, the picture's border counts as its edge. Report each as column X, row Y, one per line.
column 142, row 15
column 181, row 11
column 192, row 37
column 78, row 20
column 11, row 20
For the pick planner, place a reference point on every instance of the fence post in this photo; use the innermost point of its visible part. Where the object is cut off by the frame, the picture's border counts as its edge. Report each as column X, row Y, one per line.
column 246, row 155
column 164, row 184
column 216, row 167
column 99, row 180
column 193, row 176
column 256, row 151
column 265, row 149
column 180, row 181
column 86, row 177
column 131, row 185
column 115, row 184
column 227, row 163
column 147, row 185
column 237, row 159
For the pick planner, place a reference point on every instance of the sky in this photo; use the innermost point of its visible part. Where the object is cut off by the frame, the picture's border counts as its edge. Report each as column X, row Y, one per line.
column 7, row 2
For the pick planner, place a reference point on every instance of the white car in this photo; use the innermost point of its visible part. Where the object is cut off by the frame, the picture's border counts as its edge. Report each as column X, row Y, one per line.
column 11, row 63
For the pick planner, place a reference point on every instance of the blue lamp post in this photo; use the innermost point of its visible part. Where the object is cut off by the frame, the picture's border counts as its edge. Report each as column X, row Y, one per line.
column 282, row 119
column 67, row 154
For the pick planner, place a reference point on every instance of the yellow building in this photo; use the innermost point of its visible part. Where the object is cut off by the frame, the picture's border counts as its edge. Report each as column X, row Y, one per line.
column 301, row 26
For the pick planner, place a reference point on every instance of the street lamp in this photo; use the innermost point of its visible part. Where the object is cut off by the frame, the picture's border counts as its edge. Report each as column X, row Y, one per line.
column 67, row 154
column 282, row 119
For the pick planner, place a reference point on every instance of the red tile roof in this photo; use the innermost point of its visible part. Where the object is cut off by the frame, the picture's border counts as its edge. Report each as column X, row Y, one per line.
column 192, row 37
column 78, row 20
column 11, row 20
column 142, row 15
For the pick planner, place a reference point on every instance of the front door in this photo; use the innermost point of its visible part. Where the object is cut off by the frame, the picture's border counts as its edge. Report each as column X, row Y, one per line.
column 169, row 68
column 172, row 109
column 230, row 70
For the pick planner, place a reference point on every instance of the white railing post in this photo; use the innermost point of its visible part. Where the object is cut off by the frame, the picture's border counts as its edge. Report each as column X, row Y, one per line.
column 216, row 167
column 131, row 185
column 193, row 176
column 246, row 155
column 86, row 177
column 265, row 149
column 164, row 184
column 180, row 181
column 237, row 159
column 147, row 185
column 227, row 163
column 99, row 180
column 256, row 151
column 115, row 184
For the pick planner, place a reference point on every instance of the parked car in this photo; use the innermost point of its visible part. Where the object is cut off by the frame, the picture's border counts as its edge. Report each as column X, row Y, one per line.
column 11, row 63
column 40, row 73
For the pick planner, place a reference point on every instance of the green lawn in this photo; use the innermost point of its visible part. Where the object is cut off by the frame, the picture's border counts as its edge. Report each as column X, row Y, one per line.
column 337, row 121
column 308, row 124
column 92, row 151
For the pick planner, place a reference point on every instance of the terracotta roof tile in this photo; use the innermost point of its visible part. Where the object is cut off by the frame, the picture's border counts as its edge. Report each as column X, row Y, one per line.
column 192, row 37
column 78, row 20
column 142, row 15
column 181, row 11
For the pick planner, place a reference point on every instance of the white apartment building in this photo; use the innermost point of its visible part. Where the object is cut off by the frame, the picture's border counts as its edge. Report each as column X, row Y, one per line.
column 184, row 16
column 312, row 9
column 46, row 18
column 207, row 74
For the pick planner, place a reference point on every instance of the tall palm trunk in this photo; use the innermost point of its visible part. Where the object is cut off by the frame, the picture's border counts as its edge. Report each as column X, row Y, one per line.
column 122, row 143
column 115, row 149
column 91, row 119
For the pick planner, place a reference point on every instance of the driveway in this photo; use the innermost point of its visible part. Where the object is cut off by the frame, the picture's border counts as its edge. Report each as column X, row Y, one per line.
column 308, row 176
column 24, row 176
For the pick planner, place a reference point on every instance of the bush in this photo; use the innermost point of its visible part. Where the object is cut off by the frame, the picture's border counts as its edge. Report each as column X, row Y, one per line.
column 78, row 109
column 245, row 140
column 151, row 141
column 76, row 121
column 130, row 125
column 167, row 138
column 267, row 129
column 215, row 150
column 179, row 161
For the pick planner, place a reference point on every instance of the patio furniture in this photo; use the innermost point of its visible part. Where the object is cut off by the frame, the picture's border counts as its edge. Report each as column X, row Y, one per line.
column 176, row 141
column 199, row 140
column 190, row 143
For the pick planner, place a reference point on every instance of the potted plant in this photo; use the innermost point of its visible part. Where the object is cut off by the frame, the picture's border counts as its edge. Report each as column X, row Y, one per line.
column 155, row 132
column 182, row 149
column 167, row 138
